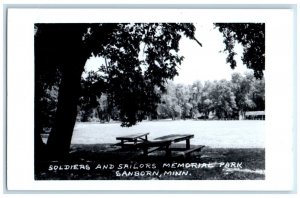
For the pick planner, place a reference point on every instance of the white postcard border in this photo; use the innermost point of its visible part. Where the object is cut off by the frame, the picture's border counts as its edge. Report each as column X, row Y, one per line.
column 279, row 75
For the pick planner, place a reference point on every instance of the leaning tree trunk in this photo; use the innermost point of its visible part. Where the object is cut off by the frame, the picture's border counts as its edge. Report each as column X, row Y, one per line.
column 39, row 145
column 59, row 140
column 61, row 47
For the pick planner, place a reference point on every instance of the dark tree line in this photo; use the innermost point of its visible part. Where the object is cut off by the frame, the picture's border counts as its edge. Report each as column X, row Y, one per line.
column 131, row 87
column 212, row 100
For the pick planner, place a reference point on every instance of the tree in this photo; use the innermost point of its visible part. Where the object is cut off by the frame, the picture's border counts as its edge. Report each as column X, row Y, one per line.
column 258, row 94
column 241, row 87
column 223, row 99
column 196, row 95
column 182, row 94
column 252, row 38
column 130, row 82
column 58, row 48
column 88, row 101
column 169, row 105
column 205, row 103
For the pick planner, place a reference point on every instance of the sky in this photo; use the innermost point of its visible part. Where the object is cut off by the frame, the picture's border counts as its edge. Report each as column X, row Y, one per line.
column 200, row 63
column 207, row 62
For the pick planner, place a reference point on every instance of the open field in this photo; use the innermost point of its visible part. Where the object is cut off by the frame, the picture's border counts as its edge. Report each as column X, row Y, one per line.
column 234, row 150
column 216, row 134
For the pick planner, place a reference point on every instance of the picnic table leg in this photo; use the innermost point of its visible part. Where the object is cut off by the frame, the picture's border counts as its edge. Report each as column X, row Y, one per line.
column 168, row 151
column 188, row 145
column 145, row 151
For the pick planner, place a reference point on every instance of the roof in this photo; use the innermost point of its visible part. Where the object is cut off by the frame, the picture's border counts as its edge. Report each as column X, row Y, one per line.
column 254, row 113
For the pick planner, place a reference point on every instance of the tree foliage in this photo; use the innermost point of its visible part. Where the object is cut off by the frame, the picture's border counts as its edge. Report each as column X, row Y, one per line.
column 221, row 99
column 252, row 38
column 129, row 81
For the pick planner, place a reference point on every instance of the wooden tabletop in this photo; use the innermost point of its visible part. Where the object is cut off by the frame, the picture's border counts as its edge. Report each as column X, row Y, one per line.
column 175, row 137
column 132, row 136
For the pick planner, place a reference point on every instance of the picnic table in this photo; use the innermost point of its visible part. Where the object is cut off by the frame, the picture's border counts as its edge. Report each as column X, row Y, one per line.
column 166, row 142
column 174, row 138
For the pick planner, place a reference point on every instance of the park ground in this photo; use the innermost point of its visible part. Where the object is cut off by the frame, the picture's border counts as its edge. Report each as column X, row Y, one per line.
column 234, row 150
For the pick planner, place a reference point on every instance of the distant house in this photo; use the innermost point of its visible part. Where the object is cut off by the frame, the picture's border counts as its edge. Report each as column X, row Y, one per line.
column 255, row 115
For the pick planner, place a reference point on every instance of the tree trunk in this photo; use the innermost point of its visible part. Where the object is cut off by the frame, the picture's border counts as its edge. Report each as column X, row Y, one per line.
column 39, row 147
column 61, row 47
column 59, row 140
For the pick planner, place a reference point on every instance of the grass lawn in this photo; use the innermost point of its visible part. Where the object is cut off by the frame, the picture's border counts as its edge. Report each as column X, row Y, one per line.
column 213, row 133
column 109, row 162
column 234, row 150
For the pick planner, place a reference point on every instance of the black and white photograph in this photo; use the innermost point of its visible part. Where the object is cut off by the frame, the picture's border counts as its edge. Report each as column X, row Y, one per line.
column 149, row 101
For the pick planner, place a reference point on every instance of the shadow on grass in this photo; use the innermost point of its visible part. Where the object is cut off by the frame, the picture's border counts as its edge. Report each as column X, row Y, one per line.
column 109, row 162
